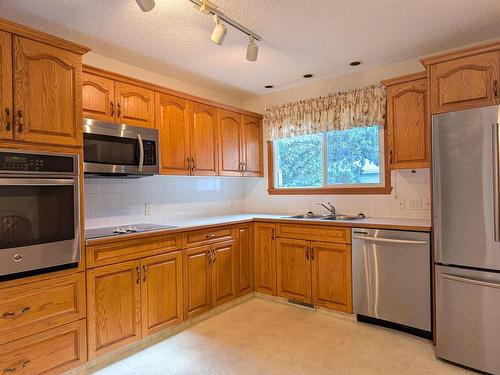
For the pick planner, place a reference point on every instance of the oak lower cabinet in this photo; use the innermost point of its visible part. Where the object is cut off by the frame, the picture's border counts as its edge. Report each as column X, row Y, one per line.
column 244, row 259
column 130, row 300
column 265, row 258
column 209, row 277
column 293, row 269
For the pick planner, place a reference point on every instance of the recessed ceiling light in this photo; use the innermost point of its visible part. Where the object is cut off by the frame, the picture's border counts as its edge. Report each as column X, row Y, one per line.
column 355, row 63
column 268, row 86
column 308, row 75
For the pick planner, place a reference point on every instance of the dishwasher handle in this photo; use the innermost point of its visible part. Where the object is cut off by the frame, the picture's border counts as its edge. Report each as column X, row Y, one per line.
column 391, row 240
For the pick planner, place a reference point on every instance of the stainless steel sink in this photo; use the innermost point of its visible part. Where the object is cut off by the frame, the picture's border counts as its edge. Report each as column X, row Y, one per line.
column 308, row 216
column 342, row 218
column 337, row 217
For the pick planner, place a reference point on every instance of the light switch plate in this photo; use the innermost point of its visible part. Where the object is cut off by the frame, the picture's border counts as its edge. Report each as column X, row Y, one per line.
column 401, row 203
column 415, row 204
column 148, row 208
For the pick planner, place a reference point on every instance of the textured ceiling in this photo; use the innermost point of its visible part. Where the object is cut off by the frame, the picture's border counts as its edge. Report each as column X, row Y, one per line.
column 315, row 36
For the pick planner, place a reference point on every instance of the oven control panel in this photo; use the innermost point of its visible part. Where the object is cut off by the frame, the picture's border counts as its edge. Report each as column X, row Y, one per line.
column 22, row 162
column 149, row 152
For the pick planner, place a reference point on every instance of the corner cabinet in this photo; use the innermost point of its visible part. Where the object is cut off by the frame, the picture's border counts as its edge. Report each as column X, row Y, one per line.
column 464, row 79
column 408, row 122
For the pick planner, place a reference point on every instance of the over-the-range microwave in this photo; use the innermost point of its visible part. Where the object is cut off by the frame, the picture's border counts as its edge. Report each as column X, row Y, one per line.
column 119, row 150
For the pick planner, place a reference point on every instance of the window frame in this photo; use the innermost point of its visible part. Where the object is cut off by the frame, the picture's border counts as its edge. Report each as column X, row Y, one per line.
column 383, row 188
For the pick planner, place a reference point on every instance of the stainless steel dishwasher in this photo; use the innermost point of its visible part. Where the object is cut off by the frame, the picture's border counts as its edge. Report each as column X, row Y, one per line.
column 391, row 279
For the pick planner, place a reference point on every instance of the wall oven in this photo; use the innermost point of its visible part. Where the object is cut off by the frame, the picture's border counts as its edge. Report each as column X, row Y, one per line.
column 119, row 150
column 39, row 211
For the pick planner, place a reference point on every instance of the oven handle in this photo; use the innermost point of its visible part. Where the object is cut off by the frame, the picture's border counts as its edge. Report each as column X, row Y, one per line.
column 141, row 153
column 36, row 181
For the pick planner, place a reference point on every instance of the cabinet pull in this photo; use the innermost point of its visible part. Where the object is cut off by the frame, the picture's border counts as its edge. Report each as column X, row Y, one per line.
column 495, row 88
column 211, row 235
column 119, row 112
column 145, row 269
column 273, row 236
column 21, row 121
column 138, row 274
column 17, row 366
column 390, row 157
column 7, row 119
column 307, row 252
column 312, row 253
column 188, row 165
column 209, row 254
column 214, row 256
column 245, row 169
column 14, row 315
column 112, row 106
column 193, row 166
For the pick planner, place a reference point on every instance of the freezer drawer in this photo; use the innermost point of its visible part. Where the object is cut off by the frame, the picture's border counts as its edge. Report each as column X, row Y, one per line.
column 467, row 316
column 391, row 276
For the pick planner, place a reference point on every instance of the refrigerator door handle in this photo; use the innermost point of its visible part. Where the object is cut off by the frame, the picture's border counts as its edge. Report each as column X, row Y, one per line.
column 470, row 281
column 496, row 183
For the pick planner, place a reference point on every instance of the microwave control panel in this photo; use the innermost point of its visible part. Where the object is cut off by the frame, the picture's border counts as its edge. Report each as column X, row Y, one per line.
column 22, row 162
column 149, row 152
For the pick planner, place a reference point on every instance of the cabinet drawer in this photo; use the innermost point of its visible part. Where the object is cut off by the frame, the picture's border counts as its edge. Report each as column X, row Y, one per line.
column 35, row 307
column 206, row 236
column 122, row 250
column 51, row 352
column 314, row 233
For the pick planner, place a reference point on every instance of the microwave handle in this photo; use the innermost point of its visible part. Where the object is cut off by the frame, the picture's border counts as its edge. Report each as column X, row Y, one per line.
column 141, row 153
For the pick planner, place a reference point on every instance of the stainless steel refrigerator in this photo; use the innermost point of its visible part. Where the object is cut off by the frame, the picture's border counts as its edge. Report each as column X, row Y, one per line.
column 466, row 201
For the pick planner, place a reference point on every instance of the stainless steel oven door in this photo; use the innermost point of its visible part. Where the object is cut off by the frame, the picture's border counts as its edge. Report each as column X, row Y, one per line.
column 39, row 223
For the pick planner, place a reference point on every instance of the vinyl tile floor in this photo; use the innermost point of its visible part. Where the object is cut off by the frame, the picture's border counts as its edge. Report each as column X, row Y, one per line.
column 261, row 337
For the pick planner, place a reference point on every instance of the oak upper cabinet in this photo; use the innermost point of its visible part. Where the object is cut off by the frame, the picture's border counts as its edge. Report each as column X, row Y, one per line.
column 134, row 105
column 47, row 94
column 331, row 275
column 265, row 258
column 173, row 123
column 252, row 146
column 293, row 269
column 464, row 79
column 161, row 296
column 408, row 130
column 6, row 86
column 244, row 259
column 230, row 147
column 113, row 307
column 197, row 278
column 223, row 269
column 98, row 97
column 203, row 140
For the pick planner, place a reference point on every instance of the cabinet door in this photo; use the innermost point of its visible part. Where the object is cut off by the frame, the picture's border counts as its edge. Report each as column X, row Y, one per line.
column 252, row 146
column 134, row 105
column 161, row 296
column 331, row 275
column 293, row 269
column 47, row 94
column 113, row 307
column 265, row 258
column 6, row 86
column 196, row 281
column 204, row 140
column 408, row 125
column 223, row 270
column 173, row 125
column 244, row 259
column 229, row 130
column 98, row 98
column 465, row 83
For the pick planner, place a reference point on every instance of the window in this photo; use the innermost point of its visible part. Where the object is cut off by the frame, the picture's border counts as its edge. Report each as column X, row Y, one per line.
column 335, row 161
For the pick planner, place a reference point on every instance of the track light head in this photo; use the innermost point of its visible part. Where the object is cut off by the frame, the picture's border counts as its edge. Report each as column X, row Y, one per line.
column 252, row 49
column 146, row 5
column 219, row 33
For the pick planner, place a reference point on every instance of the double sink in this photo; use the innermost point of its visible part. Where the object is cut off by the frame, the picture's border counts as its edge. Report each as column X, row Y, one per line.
column 336, row 217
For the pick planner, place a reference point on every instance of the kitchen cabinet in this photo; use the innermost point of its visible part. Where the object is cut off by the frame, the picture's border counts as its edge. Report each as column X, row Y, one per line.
column 47, row 94
column 244, row 259
column 265, row 258
column 98, row 97
column 408, row 122
column 293, row 269
column 252, row 146
column 203, row 140
column 161, row 292
column 223, row 272
column 6, row 86
column 464, row 79
column 134, row 105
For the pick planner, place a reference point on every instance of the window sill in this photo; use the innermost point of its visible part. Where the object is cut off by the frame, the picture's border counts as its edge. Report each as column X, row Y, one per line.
column 332, row 191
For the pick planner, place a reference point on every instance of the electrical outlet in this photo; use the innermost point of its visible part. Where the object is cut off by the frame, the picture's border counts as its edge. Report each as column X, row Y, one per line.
column 148, row 208
column 415, row 204
column 427, row 203
column 401, row 203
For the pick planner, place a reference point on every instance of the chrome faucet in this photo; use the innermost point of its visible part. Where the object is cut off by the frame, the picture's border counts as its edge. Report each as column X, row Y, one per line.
column 331, row 209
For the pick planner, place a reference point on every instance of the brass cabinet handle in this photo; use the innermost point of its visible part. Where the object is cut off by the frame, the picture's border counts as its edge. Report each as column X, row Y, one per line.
column 112, row 105
column 312, row 253
column 188, row 165
column 211, row 235
column 21, row 121
column 209, row 254
column 214, row 253
column 138, row 274
column 273, row 237
column 145, row 269
column 193, row 166
column 245, row 169
column 495, row 88
column 17, row 366
column 307, row 252
column 14, row 315
column 8, row 122
column 240, row 167
column 390, row 157
column 119, row 112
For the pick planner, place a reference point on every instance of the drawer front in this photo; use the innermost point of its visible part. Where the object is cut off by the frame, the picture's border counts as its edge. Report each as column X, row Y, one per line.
column 207, row 236
column 51, row 352
column 31, row 308
column 132, row 249
column 314, row 233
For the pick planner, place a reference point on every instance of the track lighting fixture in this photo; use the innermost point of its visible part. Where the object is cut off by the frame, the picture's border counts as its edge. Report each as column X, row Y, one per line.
column 252, row 49
column 146, row 5
column 220, row 31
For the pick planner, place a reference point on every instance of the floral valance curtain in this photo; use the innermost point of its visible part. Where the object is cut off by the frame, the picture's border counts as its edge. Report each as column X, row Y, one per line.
column 343, row 110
